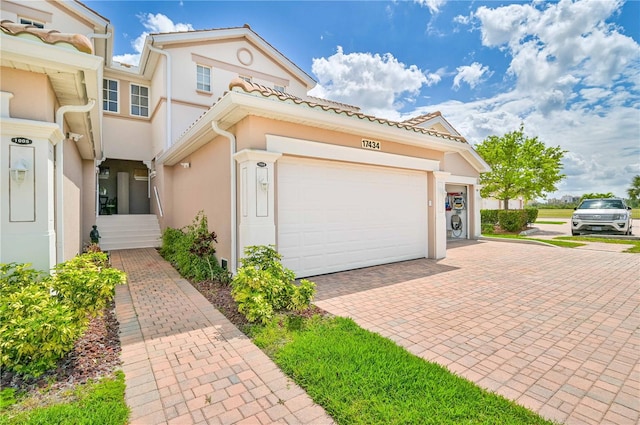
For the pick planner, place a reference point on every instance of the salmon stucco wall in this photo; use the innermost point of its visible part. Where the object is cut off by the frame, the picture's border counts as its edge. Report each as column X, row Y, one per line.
column 252, row 130
column 72, row 189
column 455, row 164
column 205, row 186
column 33, row 96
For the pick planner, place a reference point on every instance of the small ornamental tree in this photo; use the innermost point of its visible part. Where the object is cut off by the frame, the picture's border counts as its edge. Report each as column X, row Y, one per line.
column 520, row 166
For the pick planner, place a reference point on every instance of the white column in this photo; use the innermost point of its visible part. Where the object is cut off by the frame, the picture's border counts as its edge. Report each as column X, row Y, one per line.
column 27, row 231
column 477, row 204
column 440, row 230
column 256, row 195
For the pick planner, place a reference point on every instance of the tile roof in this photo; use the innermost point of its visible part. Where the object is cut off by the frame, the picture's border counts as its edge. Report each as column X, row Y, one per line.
column 79, row 41
column 410, row 125
column 422, row 118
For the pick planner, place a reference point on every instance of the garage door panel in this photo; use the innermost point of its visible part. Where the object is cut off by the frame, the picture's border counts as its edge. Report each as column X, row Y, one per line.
column 348, row 216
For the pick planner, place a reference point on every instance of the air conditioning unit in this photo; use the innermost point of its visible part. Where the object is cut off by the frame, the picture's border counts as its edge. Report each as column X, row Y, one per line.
column 141, row 174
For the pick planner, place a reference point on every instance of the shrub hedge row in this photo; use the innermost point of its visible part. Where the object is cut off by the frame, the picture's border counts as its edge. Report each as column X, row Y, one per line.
column 508, row 220
column 42, row 316
column 191, row 250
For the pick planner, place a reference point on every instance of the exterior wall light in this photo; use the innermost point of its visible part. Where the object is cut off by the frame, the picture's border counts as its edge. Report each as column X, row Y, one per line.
column 19, row 171
column 185, row 164
column 264, row 184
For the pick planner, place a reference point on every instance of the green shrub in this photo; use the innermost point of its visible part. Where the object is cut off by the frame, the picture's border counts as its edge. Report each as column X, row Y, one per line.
column 488, row 228
column 532, row 214
column 38, row 326
column 489, row 216
column 512, row 220
column 191, row 250
column 36, row 329
column 263, row 286
column 86, row 282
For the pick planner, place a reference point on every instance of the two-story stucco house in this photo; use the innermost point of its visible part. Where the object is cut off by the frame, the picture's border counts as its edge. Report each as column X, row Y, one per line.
column 215, row 120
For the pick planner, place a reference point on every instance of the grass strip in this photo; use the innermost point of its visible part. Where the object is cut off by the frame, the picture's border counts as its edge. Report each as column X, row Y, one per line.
column 360, row 377
column 560, row 243
column 634, row 249
column 549, row 222
column 100, row 402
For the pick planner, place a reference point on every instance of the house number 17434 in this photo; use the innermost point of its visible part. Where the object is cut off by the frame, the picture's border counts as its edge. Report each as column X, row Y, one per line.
column 370, row 144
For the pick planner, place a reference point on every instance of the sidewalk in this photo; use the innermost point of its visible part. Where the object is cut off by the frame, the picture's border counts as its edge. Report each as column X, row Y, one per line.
column 185, row 363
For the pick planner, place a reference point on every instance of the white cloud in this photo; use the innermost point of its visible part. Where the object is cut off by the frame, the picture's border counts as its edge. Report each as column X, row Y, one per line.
column 157, row 23
column 555, row 47
column 379, row 84
column 603, row 149
column 434, row 6
column 471, row 74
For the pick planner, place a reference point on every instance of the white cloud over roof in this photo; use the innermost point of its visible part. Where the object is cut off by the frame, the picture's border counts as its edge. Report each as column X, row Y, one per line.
column 157, row 23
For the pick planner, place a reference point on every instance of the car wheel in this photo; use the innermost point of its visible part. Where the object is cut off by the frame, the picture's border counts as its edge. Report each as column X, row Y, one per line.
column 575, row 233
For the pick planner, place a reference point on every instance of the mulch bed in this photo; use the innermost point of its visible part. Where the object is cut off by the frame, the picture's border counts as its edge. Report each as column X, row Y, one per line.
column 96, row 354
column 219, row 295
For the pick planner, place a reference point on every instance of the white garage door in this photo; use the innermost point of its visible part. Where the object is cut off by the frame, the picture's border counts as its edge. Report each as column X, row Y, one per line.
column 335, row 216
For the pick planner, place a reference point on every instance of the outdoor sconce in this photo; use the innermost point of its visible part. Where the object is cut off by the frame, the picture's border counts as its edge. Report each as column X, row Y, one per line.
column 19, row 171
column 264, row 184
column 185, row 164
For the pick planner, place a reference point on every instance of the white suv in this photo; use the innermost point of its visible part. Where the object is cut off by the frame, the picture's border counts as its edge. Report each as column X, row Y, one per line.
column 602, row 215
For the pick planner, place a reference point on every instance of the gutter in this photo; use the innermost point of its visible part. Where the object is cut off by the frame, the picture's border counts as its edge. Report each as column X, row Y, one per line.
column 168, row 76
column 232, row 146
column 107, row 35
column 59, row 149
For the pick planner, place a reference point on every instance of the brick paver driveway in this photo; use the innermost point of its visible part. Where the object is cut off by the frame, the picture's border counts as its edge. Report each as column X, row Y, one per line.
column 553, row 329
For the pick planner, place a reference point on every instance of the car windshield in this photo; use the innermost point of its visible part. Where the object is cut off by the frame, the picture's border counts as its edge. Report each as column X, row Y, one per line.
column 597, row 204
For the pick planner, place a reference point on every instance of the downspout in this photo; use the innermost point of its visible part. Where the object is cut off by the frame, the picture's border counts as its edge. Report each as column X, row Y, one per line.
column 232, row 146
column 168, row 76
column 59, row 204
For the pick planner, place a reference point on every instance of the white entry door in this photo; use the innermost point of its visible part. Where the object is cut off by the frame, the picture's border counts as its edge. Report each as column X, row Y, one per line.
column 336, row 216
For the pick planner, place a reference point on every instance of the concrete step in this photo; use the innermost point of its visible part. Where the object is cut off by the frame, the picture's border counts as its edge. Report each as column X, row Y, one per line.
column 128, row 231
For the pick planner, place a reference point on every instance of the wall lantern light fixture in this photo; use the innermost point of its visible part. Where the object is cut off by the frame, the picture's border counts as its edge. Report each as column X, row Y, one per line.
column 185, row 164
column 264, row 183
column 19, row 171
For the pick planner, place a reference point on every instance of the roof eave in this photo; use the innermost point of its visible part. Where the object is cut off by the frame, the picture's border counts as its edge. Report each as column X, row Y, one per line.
column 236, row 105
column 167, row 39
column 86, row 69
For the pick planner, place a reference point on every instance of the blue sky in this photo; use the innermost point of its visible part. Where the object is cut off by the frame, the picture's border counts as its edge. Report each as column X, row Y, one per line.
column 568, row 70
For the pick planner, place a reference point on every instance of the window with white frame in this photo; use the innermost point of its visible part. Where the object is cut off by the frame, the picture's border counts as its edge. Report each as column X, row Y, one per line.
column 110, row 95
column 279, row 88
column 27, row 21
column 203, row 78
column 139, row 100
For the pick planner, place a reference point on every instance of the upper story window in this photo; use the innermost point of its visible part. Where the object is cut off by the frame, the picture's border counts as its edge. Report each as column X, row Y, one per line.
column 110, row 95
column 139, row 100
column 203, row 78
column 245, row 78
column 26, row 21
column 279, row 88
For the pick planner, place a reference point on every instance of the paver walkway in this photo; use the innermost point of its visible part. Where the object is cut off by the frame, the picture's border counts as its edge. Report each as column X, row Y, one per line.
column 554, row 329
column 185, row 363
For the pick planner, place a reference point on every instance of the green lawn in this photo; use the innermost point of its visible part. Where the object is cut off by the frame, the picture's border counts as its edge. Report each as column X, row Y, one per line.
column 566, row 213
column 99, row 402
column 549, row 222
column 573, row 241
column 360, row 377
